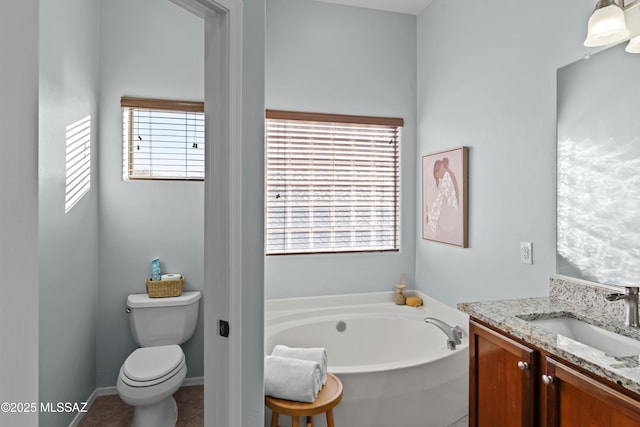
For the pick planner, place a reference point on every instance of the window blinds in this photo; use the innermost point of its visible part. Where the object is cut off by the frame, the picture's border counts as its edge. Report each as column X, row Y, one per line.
column 163, row 139
column 332, row 183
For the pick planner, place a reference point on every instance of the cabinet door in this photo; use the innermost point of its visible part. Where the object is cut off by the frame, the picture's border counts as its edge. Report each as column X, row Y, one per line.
column 574, row 399
column 501, row 380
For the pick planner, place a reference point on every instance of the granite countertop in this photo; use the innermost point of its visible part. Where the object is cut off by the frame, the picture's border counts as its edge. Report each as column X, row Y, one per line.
column 511, row 316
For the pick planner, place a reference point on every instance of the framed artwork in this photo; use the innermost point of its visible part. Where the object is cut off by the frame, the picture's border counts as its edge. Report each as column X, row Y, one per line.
column 444, row 197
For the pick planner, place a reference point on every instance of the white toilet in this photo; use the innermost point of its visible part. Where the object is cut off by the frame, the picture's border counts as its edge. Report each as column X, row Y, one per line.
column 155, row 371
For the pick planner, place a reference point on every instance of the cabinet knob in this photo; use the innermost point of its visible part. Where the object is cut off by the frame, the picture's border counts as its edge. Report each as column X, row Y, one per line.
column 523, row 365
column 547, row 379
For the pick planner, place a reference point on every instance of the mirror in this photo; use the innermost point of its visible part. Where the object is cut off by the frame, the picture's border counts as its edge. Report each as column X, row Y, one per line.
column 598, row 169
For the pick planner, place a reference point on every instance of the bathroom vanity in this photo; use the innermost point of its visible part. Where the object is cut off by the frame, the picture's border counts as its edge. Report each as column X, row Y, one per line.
column 524, row 371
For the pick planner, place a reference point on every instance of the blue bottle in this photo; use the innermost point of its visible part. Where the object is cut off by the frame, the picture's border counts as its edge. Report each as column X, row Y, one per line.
column 156, row 274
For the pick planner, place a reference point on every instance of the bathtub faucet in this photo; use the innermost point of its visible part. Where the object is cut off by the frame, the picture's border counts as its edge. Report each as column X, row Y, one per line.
column 453, row 333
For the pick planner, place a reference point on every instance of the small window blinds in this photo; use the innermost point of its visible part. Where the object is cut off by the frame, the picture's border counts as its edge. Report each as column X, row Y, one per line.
column 162, row 139
column 332, row 183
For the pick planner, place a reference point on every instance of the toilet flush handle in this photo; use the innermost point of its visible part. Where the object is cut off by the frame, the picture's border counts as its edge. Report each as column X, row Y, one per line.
column 128, row 310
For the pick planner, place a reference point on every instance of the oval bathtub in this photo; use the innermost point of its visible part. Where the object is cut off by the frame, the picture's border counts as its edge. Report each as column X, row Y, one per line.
column 396, row 369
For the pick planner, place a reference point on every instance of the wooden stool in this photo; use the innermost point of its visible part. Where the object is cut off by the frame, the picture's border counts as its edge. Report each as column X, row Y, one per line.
column 327, row 399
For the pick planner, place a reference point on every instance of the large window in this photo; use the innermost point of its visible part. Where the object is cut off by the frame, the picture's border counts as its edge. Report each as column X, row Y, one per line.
column 162, row 139
column 332, row 183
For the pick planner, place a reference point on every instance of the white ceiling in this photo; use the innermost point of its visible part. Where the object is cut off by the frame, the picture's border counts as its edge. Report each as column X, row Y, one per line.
column 413, row 7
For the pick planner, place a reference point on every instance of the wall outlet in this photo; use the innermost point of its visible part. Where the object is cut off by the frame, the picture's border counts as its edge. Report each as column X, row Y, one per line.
column 526, row 252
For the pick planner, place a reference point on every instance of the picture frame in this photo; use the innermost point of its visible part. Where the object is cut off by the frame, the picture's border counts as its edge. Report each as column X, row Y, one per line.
column 445, row 197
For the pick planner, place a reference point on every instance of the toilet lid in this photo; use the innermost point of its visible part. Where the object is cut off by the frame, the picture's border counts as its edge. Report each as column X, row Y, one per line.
column 151, row 363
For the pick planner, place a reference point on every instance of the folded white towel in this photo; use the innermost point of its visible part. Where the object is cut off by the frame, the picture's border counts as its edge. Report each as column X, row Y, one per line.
column 291, row 379
column 314, row 354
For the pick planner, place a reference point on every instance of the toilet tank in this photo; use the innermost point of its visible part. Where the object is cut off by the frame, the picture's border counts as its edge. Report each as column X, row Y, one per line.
column 163, row 321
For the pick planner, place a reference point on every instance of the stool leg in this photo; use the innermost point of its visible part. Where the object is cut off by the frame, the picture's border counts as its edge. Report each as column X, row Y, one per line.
column 295, row 421
column 310, row 421
column 330, row 418
column 274, row 419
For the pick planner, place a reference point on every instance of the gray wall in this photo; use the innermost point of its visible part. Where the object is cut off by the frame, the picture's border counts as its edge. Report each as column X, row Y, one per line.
column 487, row 80
column 151, row 49
column 19, row 208
column 69, row 61
column 335, row 59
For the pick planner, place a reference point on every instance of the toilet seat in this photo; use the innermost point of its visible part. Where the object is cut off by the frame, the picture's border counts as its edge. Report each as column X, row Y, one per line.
column 149, row 366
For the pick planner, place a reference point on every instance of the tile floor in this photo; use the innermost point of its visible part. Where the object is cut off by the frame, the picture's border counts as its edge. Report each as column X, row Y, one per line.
column 111, row 411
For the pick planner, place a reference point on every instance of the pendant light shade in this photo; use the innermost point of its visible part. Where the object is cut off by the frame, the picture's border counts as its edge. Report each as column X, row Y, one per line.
column 634, row 45
column 606, row 25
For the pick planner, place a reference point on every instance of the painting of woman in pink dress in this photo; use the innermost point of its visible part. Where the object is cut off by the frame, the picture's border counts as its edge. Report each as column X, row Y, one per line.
column 444, row 198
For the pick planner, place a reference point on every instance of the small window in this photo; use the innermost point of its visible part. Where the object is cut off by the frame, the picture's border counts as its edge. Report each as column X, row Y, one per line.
column 332, row 183
column 162, row 139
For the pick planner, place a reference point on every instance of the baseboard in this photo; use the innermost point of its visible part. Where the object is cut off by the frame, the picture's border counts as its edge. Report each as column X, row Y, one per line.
column 106, row 391
column 76, row 420
column 193, row 381
column 110, row 391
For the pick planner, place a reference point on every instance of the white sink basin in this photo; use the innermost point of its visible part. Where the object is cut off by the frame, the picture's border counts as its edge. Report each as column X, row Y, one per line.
column 611, row 343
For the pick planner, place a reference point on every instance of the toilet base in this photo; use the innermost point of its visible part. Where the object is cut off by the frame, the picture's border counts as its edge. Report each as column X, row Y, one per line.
column 162, row 414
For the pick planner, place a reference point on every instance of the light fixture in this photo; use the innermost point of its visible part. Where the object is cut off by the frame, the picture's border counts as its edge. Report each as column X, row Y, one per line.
column 607, row 24
column 634, row 45
column 632, row 15
column 613, row 22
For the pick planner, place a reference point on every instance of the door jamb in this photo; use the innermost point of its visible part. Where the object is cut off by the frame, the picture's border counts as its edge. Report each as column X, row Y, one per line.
column 223, row 285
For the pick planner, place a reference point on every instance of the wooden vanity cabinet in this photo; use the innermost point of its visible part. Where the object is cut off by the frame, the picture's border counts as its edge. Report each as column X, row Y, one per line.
column 502, row 374
column 512, row 384
column 574, row 399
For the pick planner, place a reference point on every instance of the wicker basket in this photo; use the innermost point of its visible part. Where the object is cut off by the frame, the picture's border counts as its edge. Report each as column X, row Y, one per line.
column 165, row 288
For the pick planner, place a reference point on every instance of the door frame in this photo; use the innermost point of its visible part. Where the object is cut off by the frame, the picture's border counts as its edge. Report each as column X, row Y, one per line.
column 222, row 297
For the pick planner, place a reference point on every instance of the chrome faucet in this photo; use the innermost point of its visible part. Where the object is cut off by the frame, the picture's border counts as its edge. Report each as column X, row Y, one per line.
column 630, row 298
column 453, row 333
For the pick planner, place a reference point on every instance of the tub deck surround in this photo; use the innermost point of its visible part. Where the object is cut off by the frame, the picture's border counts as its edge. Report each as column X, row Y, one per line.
column 285, row 309
column 511, row 317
